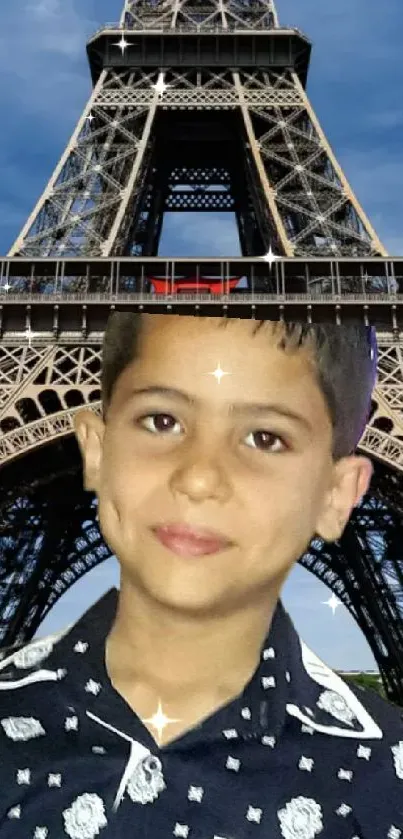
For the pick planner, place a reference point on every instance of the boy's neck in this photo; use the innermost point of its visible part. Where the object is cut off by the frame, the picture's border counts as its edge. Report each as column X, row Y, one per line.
column 178, row 660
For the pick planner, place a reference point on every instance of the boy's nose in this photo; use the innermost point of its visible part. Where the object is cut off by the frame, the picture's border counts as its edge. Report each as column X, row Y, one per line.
column 202, row 475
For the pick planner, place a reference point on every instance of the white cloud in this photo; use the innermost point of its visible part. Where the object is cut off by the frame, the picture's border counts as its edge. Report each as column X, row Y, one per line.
column 59, row 27
column 349, row 28
column 42, row 58
column 384, row 119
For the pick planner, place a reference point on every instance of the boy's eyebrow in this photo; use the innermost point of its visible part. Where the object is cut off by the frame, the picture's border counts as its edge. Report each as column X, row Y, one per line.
column 236, row 408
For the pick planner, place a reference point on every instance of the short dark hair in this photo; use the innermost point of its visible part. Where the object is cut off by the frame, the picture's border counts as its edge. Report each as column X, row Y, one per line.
column 345, row 362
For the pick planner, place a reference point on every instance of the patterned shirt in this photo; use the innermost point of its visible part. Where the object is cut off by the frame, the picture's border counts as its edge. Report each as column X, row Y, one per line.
column 297, row 754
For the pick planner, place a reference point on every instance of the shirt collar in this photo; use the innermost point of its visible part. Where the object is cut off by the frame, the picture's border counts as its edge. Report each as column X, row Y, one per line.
column 259, row 711
column 290, row 681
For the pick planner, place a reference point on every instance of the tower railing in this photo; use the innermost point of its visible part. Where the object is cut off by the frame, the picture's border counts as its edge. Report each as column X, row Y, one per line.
column 231, row 26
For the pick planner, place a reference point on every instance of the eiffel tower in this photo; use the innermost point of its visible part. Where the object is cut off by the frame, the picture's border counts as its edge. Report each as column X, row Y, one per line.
column 196, row 105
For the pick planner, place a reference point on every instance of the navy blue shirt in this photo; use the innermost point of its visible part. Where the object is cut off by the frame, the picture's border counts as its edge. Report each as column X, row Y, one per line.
column 298, row 754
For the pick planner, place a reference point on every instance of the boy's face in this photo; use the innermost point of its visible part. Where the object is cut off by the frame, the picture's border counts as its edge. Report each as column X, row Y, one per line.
column 265, row 481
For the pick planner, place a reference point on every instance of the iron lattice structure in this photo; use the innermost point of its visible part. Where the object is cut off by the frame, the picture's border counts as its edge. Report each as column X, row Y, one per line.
column 195, row 106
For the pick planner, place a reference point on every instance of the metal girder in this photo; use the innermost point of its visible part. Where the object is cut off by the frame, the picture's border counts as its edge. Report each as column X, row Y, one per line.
column 227, row 14
column 66, row 373
column 101, row 187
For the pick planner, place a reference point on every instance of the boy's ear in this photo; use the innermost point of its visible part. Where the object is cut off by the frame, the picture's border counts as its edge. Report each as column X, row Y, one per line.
column 89, row 430
column 352, row 477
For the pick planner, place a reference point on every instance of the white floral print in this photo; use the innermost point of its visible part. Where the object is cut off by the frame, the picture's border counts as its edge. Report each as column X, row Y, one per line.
column 46, row 792
column 86, row 817
column 36, row 651
column 33, row 654
column 14, row 812
column 254, row 814
column 93, row 687
column 22, row 728
column 364, row 751
column 343, row 810
column 81, row 647
column 398, row 759
column 181, row 830
column 301, row 818
column 147, row 781
column 23, row 776
column 345, row 774
column 336, row 705
column 306, row 763
column 268, row 682
column 71, row 723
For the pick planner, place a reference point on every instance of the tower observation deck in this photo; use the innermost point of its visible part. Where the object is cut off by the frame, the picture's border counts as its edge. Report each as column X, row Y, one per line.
column 198, row 106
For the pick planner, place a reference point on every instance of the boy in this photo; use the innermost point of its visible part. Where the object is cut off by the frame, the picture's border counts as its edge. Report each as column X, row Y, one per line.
column 186, row 705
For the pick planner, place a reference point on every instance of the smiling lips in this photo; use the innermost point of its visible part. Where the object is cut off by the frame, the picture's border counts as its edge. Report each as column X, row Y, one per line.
column 188, row 541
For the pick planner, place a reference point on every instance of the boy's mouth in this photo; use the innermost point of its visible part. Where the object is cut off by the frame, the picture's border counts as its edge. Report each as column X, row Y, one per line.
column 188, row 541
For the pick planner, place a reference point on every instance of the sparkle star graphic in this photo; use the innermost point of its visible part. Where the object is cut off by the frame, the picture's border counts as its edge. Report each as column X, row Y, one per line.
column 333, row 602
column 90, row 116
column 159, row 720
column 5, row 287
column 270, row 257
column 218, row 373
column 122, row 44
column 160, row 87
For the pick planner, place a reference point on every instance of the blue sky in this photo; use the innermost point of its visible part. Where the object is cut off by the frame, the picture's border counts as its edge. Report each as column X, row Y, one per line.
column 355, row 85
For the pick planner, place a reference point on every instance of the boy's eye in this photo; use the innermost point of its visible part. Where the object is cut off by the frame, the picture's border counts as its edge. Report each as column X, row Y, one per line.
column 161, row 424
column 267, row 437
column 165, row 422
